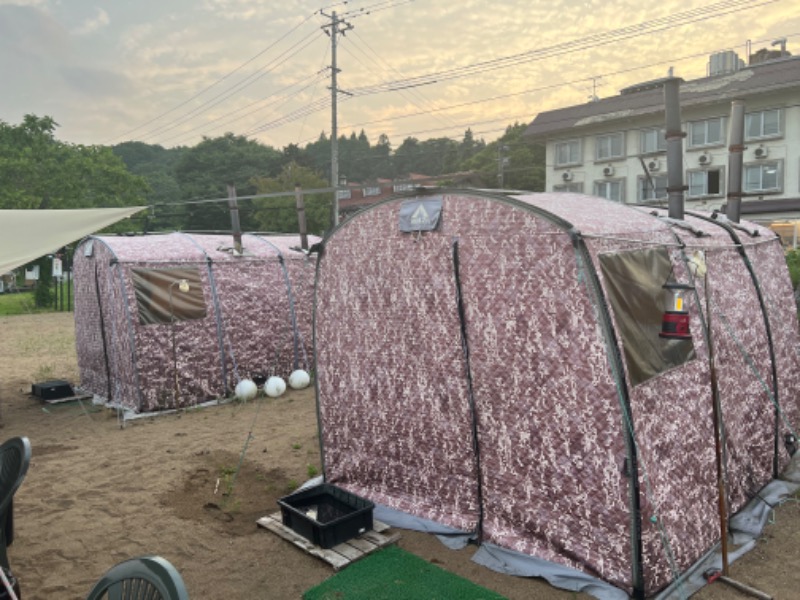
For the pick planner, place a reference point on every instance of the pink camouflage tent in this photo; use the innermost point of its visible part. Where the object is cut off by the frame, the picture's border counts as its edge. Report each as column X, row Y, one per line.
column 490, row 367
column 172, row 320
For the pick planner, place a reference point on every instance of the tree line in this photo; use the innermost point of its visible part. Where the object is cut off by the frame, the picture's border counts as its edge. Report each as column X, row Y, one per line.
column 39, row 171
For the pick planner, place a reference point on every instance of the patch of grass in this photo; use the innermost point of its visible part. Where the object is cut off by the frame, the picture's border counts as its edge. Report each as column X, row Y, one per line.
column 24, row 302
column 296, row 446
column 226, row 477
column 291, row 486
column 312, row 471
column 19, row 303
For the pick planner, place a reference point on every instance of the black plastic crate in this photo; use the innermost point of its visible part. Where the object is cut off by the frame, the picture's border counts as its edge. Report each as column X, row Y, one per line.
column 52, row 390
column 326, row 515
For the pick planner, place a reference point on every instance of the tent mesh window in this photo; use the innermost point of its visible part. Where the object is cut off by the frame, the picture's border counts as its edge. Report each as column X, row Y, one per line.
column 162, row 295
column 634, row 285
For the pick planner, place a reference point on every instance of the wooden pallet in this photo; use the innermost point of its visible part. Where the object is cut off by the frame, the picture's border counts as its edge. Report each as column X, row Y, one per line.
column 80, row 397
column 339, row 556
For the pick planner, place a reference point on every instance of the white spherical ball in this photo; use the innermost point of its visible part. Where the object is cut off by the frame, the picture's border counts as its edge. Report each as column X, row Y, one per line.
column 246, row 390
column 275, row 386
column 299, row 379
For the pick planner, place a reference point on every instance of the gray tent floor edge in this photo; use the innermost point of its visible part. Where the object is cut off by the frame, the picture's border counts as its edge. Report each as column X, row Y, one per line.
column 745, row 527
column 515, row 563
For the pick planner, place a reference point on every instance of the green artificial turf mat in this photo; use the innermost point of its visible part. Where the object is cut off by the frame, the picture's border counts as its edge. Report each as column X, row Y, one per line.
column 394, row 574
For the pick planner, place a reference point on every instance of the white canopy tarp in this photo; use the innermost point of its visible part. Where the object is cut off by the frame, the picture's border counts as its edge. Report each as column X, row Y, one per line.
column 26, row 235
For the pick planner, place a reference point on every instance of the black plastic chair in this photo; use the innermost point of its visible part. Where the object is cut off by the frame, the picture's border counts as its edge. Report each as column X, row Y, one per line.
column 15, row 456
column 151, row 577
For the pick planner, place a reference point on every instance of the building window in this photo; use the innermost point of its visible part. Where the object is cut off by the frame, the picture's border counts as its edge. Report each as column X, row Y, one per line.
column 763, row 177
column 574, row 188
column 612, row 189
column 403, row 187
column 705, row 183
column 343, row 194
column 710, row 132
column 652, row 141
column 607, row 147
column 568, row 153
column 653, row 189
column 762, row 124
column 372, row 190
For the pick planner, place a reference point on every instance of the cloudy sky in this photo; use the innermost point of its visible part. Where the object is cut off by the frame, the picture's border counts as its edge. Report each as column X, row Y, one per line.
column 171, row 71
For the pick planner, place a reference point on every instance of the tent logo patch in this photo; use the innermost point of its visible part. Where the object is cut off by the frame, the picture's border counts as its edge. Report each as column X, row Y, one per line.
column 420, row 218
column 420, row 214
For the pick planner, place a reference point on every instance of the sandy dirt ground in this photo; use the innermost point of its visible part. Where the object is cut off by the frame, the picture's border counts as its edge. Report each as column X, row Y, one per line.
column 97, row 494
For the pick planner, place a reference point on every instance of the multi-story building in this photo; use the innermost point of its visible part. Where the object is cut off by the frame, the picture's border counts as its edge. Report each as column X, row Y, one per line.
column 615, row 147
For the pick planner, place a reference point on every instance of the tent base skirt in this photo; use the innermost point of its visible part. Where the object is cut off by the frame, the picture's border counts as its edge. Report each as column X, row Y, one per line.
column 745, row 527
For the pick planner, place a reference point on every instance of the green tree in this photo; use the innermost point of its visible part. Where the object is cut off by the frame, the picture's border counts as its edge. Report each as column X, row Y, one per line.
column 409, row 158
column 206, row 170
column 156, row 165
column 354, row 155
column 39, row 171
column 513, row 159
column 317, row 156
column 280, row 214
column 439, row 156
column 469, row 147
column 381, row 158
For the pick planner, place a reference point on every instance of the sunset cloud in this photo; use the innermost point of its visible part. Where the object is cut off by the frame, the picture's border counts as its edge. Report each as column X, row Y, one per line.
column 193, row 68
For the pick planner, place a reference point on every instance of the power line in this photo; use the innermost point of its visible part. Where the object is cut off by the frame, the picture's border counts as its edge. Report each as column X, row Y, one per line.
column 248, row 81
column 408, row 95
column 229, row 118
column 679, row 19
column 527, row 116
column 592, row 41
column 215, row 83
column 640, row 29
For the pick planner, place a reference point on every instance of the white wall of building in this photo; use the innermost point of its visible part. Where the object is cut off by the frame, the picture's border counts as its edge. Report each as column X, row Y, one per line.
column 783, row 149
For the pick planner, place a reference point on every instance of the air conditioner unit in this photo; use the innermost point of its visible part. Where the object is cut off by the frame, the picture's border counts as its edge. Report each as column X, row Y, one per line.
column 653, row 165
column 608, row 171
column 704, row 159
column 566, row 176
column 761, row 152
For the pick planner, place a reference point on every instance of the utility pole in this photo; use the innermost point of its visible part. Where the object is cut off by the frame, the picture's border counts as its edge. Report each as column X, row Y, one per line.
column 337, row 26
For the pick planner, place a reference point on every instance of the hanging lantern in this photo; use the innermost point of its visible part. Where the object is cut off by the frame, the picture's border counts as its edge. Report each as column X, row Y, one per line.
column 675, row 323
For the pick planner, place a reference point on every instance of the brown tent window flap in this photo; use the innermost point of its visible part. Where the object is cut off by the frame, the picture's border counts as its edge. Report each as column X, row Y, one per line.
column 168, row 295
column 634, row 285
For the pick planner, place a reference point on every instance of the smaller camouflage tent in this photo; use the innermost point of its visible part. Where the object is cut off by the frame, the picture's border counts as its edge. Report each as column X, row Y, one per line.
column 172, row 320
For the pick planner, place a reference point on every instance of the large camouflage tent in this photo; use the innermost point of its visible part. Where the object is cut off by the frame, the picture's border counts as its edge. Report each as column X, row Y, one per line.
column 173, row 320
column 489, row 366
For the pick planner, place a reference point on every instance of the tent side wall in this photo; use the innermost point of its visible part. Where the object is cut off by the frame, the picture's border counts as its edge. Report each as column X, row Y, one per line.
column 769, row 263
column 552, row 447
column 395, row 418
column 754, row 328
column 93, row 314
column 673, row 431
column 671, row 426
